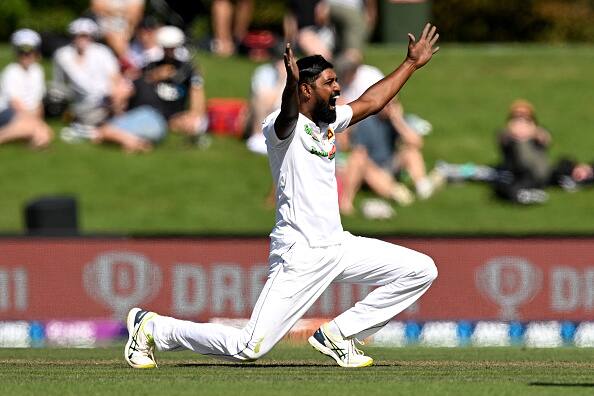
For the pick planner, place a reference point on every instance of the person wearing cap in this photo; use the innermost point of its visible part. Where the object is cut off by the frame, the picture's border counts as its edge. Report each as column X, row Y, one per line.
column 159, row 99
column 88, row 74
column 22, row 87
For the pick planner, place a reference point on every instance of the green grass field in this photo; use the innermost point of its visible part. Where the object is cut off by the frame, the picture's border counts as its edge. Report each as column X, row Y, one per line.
column 464, row 92
column 297, row 370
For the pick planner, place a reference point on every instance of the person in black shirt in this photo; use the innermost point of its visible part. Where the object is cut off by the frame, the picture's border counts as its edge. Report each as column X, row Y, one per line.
column 160, row 98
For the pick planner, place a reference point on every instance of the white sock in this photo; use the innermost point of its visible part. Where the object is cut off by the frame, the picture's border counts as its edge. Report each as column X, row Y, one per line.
column 149, row 327
column 333, row 328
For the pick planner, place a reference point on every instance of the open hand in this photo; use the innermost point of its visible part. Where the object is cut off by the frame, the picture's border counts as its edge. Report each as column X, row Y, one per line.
column 420, row 52
column 291, row 65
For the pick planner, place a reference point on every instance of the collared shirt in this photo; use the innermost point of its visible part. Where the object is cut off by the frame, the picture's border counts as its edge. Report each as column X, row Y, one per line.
column 303, row 170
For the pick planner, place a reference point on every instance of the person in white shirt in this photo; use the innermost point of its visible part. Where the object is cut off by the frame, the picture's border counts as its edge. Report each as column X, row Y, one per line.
column 265, row 96
column 381, row 145
column 88, row 74
column 309, row 249
column 22, row 87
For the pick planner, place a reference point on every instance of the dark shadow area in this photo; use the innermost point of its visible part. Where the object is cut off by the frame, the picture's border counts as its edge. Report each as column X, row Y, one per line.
column 267, row 365
column 566, row 385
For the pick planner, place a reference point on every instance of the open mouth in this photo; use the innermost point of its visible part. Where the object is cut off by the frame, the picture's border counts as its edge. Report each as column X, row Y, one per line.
column 332, row 102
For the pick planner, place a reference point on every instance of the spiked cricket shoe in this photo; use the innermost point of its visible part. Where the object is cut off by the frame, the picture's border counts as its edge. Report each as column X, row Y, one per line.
column 342, row 350
column 139, row 350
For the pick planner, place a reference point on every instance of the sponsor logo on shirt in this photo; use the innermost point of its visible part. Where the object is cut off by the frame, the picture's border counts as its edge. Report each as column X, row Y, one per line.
column 322, row 147
column 322, row 153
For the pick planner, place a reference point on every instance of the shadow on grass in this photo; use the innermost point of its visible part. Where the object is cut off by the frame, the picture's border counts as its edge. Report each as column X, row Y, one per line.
column 269, row 365
column 566, row 385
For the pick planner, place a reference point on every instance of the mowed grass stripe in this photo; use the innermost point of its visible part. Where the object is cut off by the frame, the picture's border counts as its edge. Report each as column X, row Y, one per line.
column 296, row 370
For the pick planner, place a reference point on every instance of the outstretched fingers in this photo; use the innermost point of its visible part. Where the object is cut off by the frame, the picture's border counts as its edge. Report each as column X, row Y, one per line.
column 290, row 64
column 425, row 31
column 434, row 39
column 287, row 55
column 431, row 32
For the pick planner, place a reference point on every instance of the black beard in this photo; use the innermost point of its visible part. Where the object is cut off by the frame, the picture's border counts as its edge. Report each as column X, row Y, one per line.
column 323, row 112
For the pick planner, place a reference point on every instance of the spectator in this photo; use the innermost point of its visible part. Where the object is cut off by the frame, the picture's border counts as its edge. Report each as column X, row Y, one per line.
column 525, row 168
column 308, row 25
column 572, row 175
column 87, row 74
column 354, row 21
column 22, row 86
column 144, row 48
column 267, row 86
column 117, row 20
column 230, row 24
column 374, row 158
column 159, row 100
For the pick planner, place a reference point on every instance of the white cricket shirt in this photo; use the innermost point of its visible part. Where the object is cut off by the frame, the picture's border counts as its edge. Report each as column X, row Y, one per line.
column 303, row 171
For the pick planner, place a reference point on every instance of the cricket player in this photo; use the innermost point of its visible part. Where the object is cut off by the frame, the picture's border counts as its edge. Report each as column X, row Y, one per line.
column 309, row 249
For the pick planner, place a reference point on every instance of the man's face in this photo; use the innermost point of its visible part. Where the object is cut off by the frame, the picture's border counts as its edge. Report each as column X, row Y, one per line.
column 325, row 92
column 82, row 41
column 26, row 58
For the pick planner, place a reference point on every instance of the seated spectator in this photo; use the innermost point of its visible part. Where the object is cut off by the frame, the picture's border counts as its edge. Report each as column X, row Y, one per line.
column 230, row 24
column 159, row 100
column 374, row 158
column 144, row 48
column 307, row 24
column 571, row 175
column 268, row 82
column 117, row 20
column 22, row 86
column 525, row 169
column 87, row 74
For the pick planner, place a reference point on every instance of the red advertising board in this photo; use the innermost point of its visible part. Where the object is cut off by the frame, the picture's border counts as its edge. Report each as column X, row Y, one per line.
column 203, row 278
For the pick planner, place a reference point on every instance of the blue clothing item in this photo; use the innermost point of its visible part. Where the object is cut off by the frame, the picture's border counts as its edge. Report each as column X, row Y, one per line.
column 144, row 122
column 378, row 137
column 6, row 116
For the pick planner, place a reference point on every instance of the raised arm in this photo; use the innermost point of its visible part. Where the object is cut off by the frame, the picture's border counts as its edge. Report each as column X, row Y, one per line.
column 289, row 113
column 379, row 94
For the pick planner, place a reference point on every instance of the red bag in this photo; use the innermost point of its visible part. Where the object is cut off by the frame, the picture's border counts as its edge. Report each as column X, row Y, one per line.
column 227, row 116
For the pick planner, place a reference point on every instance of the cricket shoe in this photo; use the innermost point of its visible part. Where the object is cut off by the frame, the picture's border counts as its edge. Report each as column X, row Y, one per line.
column 342, row 350
column 139, row 350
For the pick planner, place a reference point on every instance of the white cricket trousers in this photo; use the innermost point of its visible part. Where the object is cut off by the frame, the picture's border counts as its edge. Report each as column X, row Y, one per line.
column 295, row 282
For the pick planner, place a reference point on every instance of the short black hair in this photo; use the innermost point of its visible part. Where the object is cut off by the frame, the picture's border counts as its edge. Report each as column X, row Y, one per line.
column 311, row 67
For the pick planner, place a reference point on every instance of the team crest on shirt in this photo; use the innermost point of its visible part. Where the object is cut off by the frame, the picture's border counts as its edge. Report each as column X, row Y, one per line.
column 318, row 144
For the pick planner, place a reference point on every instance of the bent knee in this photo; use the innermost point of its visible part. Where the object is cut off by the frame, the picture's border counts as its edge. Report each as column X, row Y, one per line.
column 429, row 269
